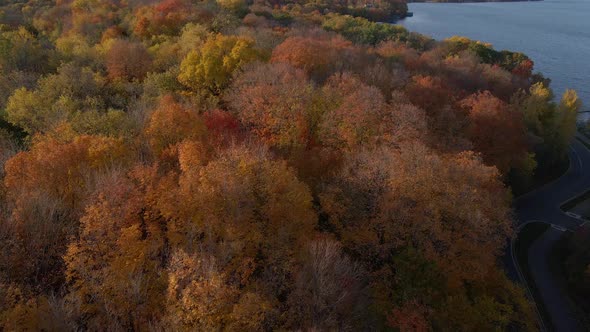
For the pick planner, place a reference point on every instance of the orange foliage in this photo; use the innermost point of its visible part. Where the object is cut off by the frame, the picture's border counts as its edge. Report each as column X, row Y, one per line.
column 496, row 131
column 334, row 186
column 399, row 52
column 127, row 60
column 524, row 69
column 171, row 123
column 429, row 93
column 274, row 102
column 59, row 169
column 354, row 115
column 375, row 200
column 222, row 127
column 244, row 218
column 114, row 265
column 317, row 57
column 220, row 200
column 48, row 187
column 166, row 17
column 409, row 318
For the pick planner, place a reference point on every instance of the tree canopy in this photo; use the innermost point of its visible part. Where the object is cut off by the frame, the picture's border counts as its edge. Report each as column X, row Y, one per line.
column 270, row 165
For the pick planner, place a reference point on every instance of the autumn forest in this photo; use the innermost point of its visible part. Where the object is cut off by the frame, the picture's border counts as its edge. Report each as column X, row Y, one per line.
column 239, row 165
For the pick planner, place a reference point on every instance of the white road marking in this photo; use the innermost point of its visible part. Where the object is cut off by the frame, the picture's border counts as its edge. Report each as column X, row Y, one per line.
column 559, row 228
column 574, row 215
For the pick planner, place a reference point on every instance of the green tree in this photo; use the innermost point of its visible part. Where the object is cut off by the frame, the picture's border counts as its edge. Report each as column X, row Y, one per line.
column 553, row 125
column 58, row 98
column 363, row 31
column 21, row 50
column 29, row 111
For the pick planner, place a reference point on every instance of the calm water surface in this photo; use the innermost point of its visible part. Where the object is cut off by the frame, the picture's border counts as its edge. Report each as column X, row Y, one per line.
column 554, row 33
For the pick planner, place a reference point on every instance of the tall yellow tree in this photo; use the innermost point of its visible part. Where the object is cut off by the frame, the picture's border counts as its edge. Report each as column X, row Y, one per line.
column 115, row 267
column 245, row 217
column 211, row 67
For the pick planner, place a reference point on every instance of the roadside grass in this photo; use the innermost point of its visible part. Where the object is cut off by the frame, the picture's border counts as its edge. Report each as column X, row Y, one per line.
column 584, row 142
column 584, row 130
column 542, row 176
column 527, row 235
column 575, row 201
column 567, row 206
column 586, row 195
column 557, row 259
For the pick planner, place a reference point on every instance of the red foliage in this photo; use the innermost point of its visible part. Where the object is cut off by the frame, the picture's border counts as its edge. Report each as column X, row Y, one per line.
column 497, row 132
column 167, row 17
column 222, row 126
column 170, row 124
column 273, row 102
column 429, row 93
column 524, row 69
column 168, row 7
column 411, row 317
column 356, row 114
column 128, row 60
column 318, row 57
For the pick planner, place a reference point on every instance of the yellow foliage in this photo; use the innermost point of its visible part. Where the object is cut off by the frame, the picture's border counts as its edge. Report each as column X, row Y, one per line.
column 212, row 66
column 541, row 91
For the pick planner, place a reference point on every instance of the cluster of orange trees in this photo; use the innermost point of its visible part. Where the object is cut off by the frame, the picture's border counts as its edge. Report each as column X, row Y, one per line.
column 228, row 165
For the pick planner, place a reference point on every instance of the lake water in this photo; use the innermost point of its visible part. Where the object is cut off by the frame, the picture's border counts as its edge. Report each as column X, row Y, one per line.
column 555, row 34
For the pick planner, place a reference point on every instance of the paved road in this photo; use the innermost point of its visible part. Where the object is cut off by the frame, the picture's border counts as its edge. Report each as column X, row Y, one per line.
column 544, row 205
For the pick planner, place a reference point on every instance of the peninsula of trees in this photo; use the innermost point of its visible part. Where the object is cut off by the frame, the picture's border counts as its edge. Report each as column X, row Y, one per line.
column 211, row 165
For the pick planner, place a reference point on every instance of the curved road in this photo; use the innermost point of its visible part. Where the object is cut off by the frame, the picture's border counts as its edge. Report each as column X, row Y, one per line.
column 544, row 205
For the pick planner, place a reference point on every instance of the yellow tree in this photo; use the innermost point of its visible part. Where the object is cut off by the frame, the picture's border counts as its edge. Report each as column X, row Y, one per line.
column 115, row 267
column 246, row 217
column 553, row 124
column 211, row 66
column 567, row 113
